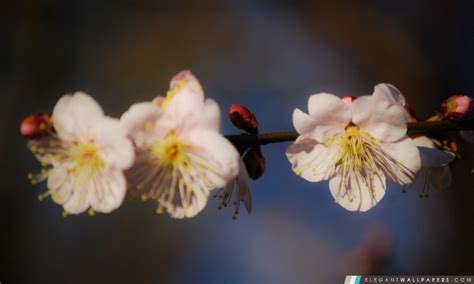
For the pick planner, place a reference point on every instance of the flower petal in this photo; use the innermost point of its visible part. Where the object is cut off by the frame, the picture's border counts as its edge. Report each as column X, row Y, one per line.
column 176, row 209
column 405, row 152
column 217, row 153
column 330, row 115
column 311, row 160
column 139, row 120
column 211, row 115
column 382, row 119
column 75, row 114
column 243, row 186
column 114, row 146
column 59, row 185
column 187, row 82
column 78, row 202
column 359, row 196
column 302, row 122
column 108, row 191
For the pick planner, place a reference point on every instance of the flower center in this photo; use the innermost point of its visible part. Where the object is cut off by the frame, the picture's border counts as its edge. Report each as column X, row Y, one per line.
column 86, row 156
column 170, row 150
column 356, row 147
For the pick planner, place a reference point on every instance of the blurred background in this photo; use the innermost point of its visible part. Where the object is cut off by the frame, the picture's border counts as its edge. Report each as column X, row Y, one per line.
column 269, row 56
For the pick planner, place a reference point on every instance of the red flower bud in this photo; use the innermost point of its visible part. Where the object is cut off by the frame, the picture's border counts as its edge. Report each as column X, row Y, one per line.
column 254, row 162
column 348, row 100
column 36, row 125
column 458, row 106
column 243, row 118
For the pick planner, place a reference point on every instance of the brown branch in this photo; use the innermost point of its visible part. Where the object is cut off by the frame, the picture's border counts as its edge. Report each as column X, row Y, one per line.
column 431, row 127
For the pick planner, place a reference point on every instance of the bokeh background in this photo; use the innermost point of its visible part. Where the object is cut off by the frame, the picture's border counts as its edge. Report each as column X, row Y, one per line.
column 270, row 56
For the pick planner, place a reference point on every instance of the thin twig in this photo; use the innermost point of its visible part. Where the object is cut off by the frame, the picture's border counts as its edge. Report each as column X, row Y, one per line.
column 430, row 127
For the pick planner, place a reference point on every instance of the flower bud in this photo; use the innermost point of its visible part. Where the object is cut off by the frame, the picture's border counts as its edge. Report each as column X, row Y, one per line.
column 348, row 100
column 254, row 162
column 243, row 118
column 36, row 125
column 457, row 106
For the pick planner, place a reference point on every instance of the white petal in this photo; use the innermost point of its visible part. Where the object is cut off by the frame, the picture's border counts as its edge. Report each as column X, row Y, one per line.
column 138, row 118
column 311, row 160
column 389, row 92
column 79, row 201
column 59, row 185
column 220, row 155
column 359, row 197
column 302, row 122
column 75, row 114
column 243, row 186
column 382, row 119
column 211, row 116
column 108, row 192
column 423, row 141
column 330, row 115
column 113, row 144
column 189, row 83
column 176, row 210
column 405, row 152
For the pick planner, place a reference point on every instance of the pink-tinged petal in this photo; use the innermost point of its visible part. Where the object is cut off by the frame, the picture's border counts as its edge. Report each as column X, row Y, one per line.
column 389, row 92
column 423, row 141
column 75, row 114
column 186, row 81
column 382, row 119
column 184, row 107
column 140, row 119
column 176, row 209
column 243, row 186
column 211, row 116
column 302, row 122
column 330, row 115
column 360, row 195
column 218, row 154
column 406, row 153
column 59, row 184
column 392, row 94
column 311, row 160
column 108, row 191
column 432, row 157
column 79, row 200
column 113, row 144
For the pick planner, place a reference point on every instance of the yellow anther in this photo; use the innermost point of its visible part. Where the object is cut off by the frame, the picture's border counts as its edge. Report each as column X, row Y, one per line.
column 30, row 176
column 144, row 197
column 91, row 212
column 65, row 214
column 159, row 210
column 40, row 197
column 296, row 171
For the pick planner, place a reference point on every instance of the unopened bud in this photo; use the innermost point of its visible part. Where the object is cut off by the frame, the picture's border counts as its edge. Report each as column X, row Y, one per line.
column 36, row 125
column 457, row 106
column 254, row 162
column 243, row 118
column 348, row 100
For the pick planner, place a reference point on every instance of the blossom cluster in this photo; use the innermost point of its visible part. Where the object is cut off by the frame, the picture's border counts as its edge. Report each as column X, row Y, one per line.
column 170, row 150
